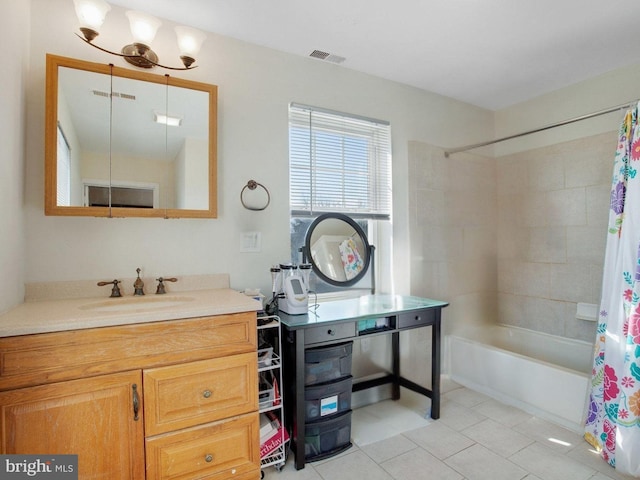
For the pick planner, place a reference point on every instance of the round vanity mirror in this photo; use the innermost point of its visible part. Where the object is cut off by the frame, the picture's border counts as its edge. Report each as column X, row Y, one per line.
column 338, row 250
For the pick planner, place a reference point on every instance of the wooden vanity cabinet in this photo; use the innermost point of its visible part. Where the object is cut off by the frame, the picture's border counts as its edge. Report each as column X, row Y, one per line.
column 175, row 399
column 92, row 418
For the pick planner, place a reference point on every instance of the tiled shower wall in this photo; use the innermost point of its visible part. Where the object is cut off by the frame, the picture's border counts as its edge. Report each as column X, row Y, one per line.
column 517, row 240
column 553, row 207
column 453, row 219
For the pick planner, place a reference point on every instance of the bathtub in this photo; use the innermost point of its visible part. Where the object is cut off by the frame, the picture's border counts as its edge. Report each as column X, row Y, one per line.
column 545, row 375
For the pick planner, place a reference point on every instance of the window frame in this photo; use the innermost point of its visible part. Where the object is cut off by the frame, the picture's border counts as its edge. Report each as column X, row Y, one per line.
column 374, row 223
column 304, row 179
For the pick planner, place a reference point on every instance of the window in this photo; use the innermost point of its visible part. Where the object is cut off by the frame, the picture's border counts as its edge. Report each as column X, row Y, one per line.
column 339, row 163
column 64, row 170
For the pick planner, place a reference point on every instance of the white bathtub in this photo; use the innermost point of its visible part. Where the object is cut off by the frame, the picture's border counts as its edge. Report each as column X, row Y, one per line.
column 542, row 374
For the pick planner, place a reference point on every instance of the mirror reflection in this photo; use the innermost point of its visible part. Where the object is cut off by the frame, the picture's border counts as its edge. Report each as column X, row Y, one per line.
column 338, row 249
column 139, row 143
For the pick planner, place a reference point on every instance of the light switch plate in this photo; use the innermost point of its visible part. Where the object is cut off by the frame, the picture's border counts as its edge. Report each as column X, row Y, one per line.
column 250, row 242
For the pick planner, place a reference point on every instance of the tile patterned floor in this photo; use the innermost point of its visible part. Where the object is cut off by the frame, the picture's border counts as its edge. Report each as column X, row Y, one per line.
column 476, row 438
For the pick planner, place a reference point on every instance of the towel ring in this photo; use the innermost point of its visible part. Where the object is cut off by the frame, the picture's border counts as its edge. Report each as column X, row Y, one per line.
column 252, row 185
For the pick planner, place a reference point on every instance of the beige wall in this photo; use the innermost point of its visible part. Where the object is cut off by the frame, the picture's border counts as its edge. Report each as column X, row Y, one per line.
column 448, row 226
column 256, row 86
column 14, row 36
column 590, row 96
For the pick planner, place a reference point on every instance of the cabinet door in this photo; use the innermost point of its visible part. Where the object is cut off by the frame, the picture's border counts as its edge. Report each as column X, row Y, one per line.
column 93, row 418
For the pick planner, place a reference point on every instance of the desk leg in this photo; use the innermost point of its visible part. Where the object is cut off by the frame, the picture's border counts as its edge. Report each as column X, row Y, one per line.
column 298, row 408
column 435, row 368
column 395, row 352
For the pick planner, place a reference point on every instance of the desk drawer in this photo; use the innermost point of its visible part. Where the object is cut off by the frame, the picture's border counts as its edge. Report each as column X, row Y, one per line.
column 328, row 333
column 418, row 318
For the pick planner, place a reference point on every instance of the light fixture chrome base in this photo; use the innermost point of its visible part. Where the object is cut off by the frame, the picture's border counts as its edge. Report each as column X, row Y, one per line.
column 187, row 61
column 140, row 55
column 137, row 54
column 89, row 33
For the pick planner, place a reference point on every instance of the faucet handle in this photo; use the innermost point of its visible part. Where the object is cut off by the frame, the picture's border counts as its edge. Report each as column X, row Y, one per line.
column 115, row 291
column 160, row 290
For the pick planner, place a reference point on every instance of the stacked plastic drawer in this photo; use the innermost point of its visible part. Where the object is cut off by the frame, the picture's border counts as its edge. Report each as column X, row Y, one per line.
column 327, row 397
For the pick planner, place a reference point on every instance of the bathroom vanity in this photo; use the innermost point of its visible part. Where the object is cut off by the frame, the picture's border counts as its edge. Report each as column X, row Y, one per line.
column 133, row 393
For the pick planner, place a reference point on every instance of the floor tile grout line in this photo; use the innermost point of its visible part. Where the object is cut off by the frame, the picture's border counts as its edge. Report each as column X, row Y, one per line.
column 533, row 433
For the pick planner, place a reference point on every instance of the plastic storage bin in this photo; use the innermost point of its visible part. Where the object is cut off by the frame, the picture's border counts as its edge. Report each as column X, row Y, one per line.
column 328, row 399
column 326, row 438
column 325, row 364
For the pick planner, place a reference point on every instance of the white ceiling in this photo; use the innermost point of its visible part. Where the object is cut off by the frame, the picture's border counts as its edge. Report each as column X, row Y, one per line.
column 491, row 53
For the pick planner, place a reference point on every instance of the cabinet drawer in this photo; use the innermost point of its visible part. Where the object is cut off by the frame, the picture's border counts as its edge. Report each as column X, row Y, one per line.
column 190, row 394
column 50, row 357
column 221, row 450
column 417, row 319
column 328, row 333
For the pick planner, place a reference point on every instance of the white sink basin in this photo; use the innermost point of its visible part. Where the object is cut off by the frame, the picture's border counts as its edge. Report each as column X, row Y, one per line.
column 136, row 304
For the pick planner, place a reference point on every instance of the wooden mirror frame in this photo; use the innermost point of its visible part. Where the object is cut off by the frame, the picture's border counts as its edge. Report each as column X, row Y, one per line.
column 50, row 148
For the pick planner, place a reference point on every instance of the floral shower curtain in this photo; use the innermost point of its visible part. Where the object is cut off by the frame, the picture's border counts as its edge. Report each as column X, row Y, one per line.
column 613, row 423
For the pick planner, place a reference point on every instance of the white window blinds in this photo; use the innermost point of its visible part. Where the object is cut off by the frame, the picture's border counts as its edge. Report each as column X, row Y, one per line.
column 338, row 163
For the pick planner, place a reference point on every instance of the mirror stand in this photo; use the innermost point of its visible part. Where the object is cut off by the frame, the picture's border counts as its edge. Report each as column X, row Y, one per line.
column 338, row 251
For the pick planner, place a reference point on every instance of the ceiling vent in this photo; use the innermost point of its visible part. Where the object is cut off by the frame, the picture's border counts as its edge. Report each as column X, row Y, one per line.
column 326, row 56
column 126, row 96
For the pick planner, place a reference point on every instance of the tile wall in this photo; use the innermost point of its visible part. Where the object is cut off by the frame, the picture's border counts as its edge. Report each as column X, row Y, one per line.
column 553, row 209
column 517, row 240
column 453, row 218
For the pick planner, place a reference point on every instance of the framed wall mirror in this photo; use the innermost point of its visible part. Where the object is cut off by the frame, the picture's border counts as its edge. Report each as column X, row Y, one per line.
column 125, row 143
column 338, row 250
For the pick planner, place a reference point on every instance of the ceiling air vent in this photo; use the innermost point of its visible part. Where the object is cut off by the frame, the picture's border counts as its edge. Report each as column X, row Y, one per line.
column 126, row 96
column 326, row 56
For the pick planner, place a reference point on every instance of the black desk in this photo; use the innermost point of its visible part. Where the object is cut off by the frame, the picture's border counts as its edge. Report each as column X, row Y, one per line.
column 343, row 320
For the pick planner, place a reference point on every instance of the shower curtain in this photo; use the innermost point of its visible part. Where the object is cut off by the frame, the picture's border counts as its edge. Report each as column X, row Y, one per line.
column 613, row 422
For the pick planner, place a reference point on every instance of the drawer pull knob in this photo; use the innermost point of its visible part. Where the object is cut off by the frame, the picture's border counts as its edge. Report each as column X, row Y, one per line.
column 207, row 394
column 208, row 458
column 331, row 332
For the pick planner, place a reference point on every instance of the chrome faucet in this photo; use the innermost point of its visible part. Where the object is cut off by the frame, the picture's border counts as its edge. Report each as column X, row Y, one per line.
column 115, row 291
column 138, row 285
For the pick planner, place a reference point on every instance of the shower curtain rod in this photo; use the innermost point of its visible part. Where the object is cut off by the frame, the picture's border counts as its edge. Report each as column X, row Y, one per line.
column 541, row 129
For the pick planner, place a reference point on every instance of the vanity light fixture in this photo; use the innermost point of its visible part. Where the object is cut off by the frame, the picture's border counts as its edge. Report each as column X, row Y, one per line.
column 92, row 13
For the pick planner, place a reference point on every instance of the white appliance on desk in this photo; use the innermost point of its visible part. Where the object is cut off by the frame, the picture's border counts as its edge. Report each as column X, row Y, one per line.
column 290, row 285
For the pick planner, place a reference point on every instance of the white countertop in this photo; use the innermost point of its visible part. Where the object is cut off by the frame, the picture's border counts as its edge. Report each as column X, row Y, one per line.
column 80, row 313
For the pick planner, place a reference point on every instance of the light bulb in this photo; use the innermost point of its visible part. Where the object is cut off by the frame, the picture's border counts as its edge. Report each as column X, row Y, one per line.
column 189, row 41
column 143, row 27
column 91, row 13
